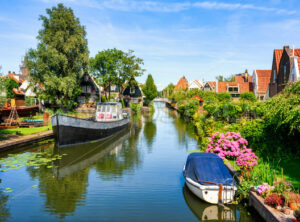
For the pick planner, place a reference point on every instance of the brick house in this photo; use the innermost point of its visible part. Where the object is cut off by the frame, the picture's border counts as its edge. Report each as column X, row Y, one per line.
column 261, row 80
column 182, row 84
column 242, row 83
column 285, row 68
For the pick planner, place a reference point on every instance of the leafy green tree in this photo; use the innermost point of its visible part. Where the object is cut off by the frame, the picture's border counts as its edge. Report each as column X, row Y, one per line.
column 131, row 68
column 149, row 90
column 168, row 90
column 113, row 66
column 106, row 66
column 9, row 85
column 2, row 85
column 221, row 78
column 61, row 58
column 248, row 96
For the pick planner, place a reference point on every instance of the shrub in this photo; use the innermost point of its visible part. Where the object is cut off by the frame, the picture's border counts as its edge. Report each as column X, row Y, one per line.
column 136, row 108
column 274, row 200
column 178, row 96
column 248, row 96
column 247, row 159
column 210, row 108
column 224, row 96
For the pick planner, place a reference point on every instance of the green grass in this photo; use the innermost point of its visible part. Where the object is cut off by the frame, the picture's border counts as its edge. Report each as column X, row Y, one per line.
column 26, row 131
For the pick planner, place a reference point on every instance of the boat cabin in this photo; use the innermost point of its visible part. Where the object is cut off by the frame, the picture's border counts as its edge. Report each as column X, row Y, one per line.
column 109, row 111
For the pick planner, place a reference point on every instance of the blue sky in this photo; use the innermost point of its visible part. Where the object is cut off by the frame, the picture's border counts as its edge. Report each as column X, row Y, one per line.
column 198, row 39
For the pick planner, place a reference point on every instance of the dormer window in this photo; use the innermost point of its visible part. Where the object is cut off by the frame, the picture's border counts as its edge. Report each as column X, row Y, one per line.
column 132, row 90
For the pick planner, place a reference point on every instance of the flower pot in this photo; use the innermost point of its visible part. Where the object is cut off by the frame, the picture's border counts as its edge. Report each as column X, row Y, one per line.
column 293, row 206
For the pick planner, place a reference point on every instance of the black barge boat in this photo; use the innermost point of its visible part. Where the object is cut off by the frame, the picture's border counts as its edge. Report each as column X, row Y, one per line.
column 71, row 130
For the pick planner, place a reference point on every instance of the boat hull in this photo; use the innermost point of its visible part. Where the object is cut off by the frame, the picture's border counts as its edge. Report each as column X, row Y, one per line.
column 210, row 194
column 70, row 130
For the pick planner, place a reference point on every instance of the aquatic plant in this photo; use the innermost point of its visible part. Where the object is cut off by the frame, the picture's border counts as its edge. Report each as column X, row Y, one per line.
column 16, row 161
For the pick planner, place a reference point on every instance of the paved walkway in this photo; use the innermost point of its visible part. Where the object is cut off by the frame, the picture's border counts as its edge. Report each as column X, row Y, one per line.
column 19, row 141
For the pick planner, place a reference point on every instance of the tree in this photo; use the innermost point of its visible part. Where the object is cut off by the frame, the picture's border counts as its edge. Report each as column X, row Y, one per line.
column 61, row 58
column 149, row 90
column 168, row 90
column 9, row 85
column 106, row 68
column 113, row 66
column 2, row 85
column 221, row 78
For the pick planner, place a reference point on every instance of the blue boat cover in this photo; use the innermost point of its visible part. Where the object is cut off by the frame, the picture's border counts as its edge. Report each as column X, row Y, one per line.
column 208, row 167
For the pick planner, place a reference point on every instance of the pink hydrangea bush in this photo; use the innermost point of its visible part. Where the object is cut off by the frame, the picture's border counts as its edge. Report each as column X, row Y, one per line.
column 247, row 159
column 232, row 146
column 228, row 145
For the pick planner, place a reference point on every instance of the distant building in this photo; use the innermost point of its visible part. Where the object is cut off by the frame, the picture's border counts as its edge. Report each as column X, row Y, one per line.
column 210, row 86
column 132, row 95
column 182, row 84
column 90, row 90
column 242, row 83
column 285, row 69
column 261, row 80
column 19, row 92
column 196, row 84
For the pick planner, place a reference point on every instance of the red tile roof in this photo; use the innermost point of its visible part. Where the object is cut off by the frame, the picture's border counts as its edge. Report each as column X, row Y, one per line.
column 182, row 84
column 212, row 84
column 277, row 57
column 241, row 78
column 263, row 80
column 198, row 98
column 13, row 76
column 18, row 91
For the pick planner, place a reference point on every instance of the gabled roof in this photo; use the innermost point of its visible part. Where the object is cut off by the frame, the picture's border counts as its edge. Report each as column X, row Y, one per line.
column 263, row 79
column 18, row 91
column 182, row 83
column 197, row 82
column 212, row 84
column 13, row 76
column 277, row 56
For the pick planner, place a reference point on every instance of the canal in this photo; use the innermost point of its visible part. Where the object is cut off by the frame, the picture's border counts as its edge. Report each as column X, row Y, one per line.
column 135, row 175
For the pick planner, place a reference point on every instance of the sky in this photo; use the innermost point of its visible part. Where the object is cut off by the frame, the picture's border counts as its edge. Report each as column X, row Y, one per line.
column 198, row 39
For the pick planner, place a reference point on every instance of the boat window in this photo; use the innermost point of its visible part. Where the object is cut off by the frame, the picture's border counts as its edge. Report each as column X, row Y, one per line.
column 107, row 109
column 113, row 109
column 103, row 109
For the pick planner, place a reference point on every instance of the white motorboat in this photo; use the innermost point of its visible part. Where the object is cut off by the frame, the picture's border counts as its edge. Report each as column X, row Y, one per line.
column 208, row 178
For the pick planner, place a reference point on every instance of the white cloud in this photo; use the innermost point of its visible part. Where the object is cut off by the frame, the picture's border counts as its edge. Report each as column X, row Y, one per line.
column 155, row 6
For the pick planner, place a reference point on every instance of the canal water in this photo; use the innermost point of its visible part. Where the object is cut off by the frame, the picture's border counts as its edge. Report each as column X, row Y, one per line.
column 135, row 175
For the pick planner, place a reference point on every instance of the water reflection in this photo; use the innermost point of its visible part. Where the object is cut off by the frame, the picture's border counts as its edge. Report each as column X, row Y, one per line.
column 208, row 212
column 125, row 158
column 149, row 131
column 80, row 157
column 4, row 211
column 184, row 128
